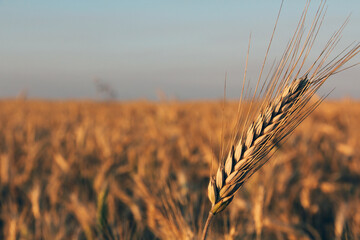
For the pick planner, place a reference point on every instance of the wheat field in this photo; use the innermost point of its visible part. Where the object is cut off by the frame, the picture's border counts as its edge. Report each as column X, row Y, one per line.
column 140, row 170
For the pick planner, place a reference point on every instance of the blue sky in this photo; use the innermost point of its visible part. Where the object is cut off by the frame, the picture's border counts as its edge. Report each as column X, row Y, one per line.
column 55, row 49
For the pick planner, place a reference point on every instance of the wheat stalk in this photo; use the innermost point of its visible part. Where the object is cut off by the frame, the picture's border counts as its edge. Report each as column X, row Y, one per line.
column 277, row 116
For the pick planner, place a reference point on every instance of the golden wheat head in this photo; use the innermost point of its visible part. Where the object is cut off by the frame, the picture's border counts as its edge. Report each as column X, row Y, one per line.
column 248, row 154
column 283, row 106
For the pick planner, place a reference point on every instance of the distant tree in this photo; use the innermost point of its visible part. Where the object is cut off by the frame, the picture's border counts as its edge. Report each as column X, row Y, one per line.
column 104, row 90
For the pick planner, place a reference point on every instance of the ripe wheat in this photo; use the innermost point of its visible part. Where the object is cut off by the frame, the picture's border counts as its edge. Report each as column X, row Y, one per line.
column 246, row 157
column 277, row 116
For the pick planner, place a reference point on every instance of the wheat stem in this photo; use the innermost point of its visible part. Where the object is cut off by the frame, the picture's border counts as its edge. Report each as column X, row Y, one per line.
column 207, row 224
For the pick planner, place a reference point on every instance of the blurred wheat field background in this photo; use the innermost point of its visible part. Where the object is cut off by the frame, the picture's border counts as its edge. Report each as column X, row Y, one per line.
column 139, row 170
column 119, row 169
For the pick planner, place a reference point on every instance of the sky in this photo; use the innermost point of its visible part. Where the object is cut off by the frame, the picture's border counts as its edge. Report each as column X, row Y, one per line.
column 150, row 49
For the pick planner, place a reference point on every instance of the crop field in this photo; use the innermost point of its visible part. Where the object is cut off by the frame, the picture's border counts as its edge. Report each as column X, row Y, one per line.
column 140, row 170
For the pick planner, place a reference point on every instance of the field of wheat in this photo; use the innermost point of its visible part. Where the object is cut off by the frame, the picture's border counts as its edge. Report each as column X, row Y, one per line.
column 140, row 170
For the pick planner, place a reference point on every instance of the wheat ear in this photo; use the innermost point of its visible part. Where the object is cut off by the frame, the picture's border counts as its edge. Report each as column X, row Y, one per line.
column 247, row 156
column 278, row 116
